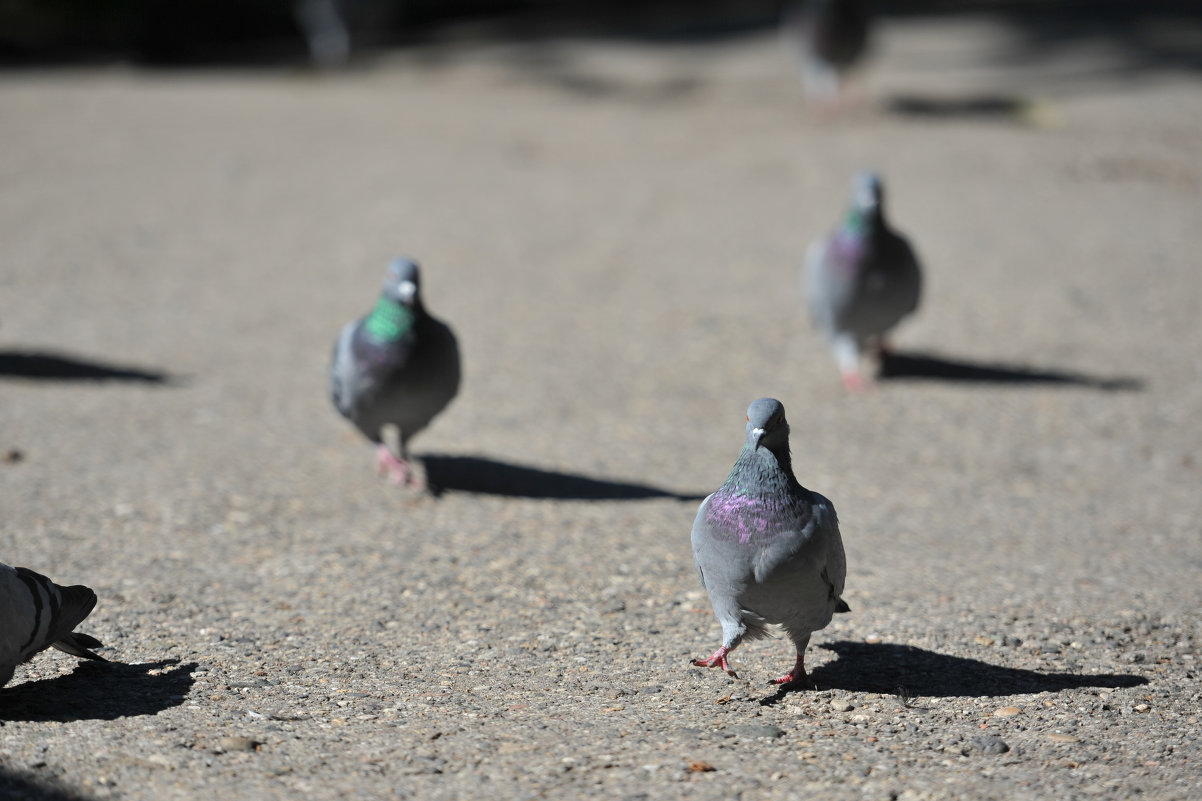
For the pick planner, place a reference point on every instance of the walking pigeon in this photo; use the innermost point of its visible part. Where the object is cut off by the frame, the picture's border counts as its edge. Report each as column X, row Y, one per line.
column 394, row 369
column 829, row 36
column 861, row 280
column 36, row 614
column 768, row 550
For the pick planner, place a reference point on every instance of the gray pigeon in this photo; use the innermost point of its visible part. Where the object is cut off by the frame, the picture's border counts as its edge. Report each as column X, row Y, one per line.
column 861, row 280
column 36, row 614
column 768, row 549
column 830, row 37
column 324, row 24
column 394, row 369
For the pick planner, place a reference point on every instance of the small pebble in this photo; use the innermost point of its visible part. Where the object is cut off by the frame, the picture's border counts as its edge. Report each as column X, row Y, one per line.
column 1057, row 737
column 989, row 745
column 839, row 705
column 753, row 730
column 238, row 744
column 1007, row 712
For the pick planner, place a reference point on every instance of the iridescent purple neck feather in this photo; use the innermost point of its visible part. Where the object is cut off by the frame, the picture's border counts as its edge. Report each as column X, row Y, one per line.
column 760, row 499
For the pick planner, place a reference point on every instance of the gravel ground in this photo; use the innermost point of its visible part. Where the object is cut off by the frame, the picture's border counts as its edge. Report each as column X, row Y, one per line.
column 614, row 231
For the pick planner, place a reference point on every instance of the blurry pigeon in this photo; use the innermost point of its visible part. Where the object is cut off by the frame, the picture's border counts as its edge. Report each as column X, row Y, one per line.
column 394, row 370
column 829, row 36
column 860, row 280
column 327, row 34
column 768, row 549
column 36, row 614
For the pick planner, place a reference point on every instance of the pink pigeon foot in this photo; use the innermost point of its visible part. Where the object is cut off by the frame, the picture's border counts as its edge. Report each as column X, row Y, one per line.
column 795, row 678
column 398, row 470
column 854, row 382
column 718, row 659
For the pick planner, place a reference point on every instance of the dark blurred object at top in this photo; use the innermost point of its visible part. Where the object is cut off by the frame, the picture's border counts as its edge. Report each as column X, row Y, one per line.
column 187, row 32
column 829, row 37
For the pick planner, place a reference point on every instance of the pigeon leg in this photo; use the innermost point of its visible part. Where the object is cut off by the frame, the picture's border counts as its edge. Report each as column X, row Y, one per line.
column 399, row 471
column 847, row 356
column 718, row 659
column 796, row 677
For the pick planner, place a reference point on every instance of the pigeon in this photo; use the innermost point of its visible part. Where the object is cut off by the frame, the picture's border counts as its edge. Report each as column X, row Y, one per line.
column 767, row 549
column 36, row 614
column 394, row 369
column 830, row 37
column 860, row 281
column 324, row 24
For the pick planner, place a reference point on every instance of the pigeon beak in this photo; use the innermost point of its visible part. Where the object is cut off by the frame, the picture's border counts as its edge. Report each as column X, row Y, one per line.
column 408, row 290
column 757, row 434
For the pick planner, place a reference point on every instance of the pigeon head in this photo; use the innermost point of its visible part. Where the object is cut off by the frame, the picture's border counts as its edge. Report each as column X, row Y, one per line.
column 766, row 425
column 402, row 284
column 867, row 194
column 399, row 305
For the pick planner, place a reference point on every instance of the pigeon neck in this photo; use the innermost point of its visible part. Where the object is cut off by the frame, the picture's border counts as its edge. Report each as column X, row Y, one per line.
column 862, row 221
column 761, row 471
column 389, row 321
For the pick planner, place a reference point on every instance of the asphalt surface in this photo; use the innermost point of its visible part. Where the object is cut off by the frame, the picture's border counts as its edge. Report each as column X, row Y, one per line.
column 614, row 230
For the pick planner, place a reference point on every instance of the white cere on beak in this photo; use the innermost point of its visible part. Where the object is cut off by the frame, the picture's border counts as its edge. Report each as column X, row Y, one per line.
column 408, row 289
column 757, row 431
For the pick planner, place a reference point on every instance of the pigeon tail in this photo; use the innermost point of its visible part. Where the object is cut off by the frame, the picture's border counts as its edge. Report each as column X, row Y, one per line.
column 80, row 645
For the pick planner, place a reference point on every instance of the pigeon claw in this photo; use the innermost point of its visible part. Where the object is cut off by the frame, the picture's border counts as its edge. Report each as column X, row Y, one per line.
column 399, row 471
column 718, row 659
column 795, row 679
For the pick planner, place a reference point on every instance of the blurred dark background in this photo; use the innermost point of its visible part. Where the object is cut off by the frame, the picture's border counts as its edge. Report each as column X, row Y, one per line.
column 248, row 32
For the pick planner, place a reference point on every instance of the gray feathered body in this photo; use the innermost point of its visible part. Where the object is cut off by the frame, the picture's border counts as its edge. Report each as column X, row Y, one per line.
column 36, row 614
column 860, row 282
column 769, row 552
column 405, row 382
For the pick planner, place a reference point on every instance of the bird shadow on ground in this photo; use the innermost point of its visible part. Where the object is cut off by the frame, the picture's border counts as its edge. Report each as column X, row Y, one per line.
column 909, row 672
column 491, row 477
column 28, row 788
column 979, row 107
column 896, row 366
column 100, row 691
column 45, row 366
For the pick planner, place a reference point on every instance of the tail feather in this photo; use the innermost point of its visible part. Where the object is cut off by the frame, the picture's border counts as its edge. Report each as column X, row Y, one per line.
column 79, row 644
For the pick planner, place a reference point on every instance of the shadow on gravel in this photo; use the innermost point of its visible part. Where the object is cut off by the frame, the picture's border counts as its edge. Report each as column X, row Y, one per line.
column 490, row 477
column 56, row 367
column 914, row 672
column 100, row 691
column 20, row 787
column 988, row 106
column 901, row 366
